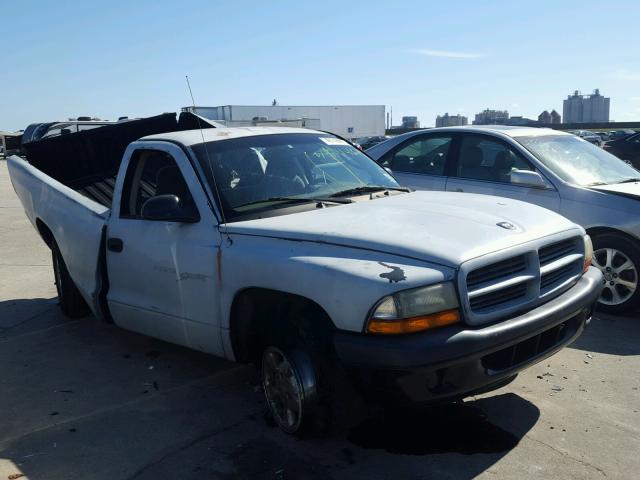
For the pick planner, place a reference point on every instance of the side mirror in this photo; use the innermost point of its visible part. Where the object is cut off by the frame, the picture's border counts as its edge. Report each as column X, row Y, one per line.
column 527, row 178
column 167, row 208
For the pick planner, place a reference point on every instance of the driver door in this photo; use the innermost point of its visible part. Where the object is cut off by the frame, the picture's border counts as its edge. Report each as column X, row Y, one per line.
column 162, row 273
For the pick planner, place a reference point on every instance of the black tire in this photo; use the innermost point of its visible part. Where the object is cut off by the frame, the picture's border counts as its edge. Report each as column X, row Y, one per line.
column 329, row 402
column 617, row 296
column 71, row 302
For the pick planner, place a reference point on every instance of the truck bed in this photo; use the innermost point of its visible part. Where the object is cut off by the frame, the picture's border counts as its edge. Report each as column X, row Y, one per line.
column 73, row 220
column 98, row 189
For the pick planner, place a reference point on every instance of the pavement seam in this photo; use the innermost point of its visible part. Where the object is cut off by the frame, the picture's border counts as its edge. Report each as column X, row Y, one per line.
column 566, row 454
column 183, row 447
column 221, row 378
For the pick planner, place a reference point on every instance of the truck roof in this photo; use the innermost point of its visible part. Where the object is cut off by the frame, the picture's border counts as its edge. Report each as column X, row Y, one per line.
column 194, row 137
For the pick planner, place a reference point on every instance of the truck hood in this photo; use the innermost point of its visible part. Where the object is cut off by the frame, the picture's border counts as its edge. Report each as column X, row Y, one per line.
column 437, row 227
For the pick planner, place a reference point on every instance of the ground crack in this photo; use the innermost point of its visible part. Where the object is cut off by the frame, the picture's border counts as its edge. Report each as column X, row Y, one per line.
column 566, row 454
column 181, row 448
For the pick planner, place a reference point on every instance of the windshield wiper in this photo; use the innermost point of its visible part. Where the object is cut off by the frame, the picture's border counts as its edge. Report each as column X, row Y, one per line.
column 630, row 180
column 295, row 200
column 366, row 189
column 597, row 184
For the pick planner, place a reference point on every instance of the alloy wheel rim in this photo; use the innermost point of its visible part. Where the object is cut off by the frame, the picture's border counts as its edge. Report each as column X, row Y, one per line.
column 620, row 275
column 282, row 389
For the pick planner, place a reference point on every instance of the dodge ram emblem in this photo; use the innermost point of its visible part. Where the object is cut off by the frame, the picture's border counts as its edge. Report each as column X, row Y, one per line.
column 507, row 225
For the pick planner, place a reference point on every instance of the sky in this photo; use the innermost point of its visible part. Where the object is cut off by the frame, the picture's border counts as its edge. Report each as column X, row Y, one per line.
column 129, row 58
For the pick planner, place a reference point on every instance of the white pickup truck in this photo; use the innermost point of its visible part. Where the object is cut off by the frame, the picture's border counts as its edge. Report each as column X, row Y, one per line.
column 292, row 249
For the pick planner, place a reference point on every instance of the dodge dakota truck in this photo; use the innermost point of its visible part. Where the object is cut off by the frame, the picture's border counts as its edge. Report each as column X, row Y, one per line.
column 292, row 249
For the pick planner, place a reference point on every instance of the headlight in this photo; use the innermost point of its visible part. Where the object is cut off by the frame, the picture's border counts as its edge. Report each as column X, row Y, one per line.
column 588, row 253
column 414, row 310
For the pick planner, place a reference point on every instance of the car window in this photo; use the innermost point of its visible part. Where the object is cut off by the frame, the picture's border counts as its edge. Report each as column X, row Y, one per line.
column 635, row 138
column 426, row 155
column 152, row 173
column 483, row 158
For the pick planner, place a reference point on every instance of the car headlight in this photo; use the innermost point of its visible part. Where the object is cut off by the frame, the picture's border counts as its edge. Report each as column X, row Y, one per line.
column 415, row 310
column 588, row 253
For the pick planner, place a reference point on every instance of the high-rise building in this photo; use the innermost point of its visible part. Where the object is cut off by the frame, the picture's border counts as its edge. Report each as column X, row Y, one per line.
column 578, row 108
column 555, row 117
column 447, row 120
column 491, row 117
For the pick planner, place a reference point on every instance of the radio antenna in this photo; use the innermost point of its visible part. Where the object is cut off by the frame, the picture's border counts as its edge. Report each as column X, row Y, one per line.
column 206, row 151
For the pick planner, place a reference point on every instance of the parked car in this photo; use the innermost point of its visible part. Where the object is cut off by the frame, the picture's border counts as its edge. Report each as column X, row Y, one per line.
column 604, row 136
column 368, row 142
column 621, row 134
column 627, row 149
column 549, row 168
column 588, row 136
column 292, row 249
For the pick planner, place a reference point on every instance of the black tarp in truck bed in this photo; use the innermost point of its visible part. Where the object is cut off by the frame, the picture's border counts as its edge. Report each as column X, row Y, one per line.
column 88, row 161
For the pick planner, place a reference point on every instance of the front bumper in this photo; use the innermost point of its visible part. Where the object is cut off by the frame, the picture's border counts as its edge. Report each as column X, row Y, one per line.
column 458, row 361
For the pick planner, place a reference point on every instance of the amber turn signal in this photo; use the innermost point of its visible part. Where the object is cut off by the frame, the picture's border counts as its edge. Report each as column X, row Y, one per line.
column 414, row 324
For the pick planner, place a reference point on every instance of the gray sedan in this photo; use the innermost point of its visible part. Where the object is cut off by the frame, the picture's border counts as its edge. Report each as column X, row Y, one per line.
column 553, row 169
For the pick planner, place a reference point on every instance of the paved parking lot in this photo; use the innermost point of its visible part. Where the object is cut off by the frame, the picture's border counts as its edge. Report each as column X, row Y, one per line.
column 82, row 399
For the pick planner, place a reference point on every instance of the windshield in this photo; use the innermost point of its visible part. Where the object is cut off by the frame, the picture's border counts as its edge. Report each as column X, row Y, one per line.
column 271, row 171
column 578, row 161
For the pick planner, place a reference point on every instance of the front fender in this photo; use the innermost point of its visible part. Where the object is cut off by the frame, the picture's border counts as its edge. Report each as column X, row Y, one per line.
column 346, row 282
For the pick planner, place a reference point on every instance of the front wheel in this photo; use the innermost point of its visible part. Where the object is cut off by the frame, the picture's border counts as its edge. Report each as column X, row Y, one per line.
column 619, row 260
column 289, row 381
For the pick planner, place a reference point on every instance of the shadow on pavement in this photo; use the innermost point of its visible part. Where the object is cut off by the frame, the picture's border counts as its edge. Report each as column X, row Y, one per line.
column 610, row 334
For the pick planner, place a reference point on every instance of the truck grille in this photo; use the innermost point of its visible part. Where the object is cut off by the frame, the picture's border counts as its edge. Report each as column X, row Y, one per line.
column 534, row 275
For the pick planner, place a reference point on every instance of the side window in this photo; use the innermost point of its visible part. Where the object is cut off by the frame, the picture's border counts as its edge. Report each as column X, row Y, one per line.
column 426, row 155
column 151, row 173
column 484, row 158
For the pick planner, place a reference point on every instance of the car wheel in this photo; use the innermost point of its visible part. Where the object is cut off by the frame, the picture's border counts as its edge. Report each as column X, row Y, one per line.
column 289, row 381
column 308, row 392
column 71, row 301
column 619, row 260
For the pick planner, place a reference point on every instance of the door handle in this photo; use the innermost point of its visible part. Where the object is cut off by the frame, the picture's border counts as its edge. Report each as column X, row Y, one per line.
column 115, row 244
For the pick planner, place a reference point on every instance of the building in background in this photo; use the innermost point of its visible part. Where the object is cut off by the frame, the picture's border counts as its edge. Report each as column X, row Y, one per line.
column 520, row 121
column 546, row 118
column 578, row 108
column 491, row 117
column 410, row 122
column 349, row 121
column 447, row 120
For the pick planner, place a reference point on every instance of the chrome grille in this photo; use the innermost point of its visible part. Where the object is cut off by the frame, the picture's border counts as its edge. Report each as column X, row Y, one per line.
column 535, row 273
column 556, row 250
column 498, row 297
column 496, row 270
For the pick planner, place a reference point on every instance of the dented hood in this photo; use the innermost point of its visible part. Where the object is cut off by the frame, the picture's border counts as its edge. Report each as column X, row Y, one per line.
column 438, row 227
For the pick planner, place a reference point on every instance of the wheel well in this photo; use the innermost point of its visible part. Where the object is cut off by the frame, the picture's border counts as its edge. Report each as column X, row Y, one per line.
column 45, row 232
column 595, row 231
column 258, row 313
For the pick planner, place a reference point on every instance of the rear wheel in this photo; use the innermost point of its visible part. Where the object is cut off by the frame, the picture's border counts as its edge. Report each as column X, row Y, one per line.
column 619, row 260
column 71, row 302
